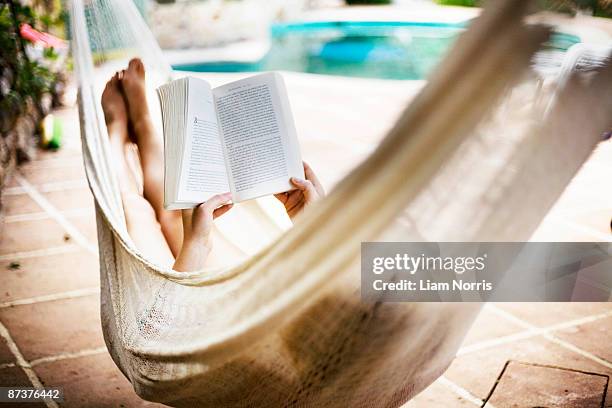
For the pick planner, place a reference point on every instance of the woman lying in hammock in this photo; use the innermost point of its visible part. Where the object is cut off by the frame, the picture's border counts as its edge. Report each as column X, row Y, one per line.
column 163, row 235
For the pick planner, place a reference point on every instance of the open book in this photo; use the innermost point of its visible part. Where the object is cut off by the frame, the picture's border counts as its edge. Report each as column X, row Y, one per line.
column 239, row 137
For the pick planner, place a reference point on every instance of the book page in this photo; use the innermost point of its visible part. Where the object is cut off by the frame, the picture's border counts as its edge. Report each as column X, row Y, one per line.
column 203, row 171
column 258, row 136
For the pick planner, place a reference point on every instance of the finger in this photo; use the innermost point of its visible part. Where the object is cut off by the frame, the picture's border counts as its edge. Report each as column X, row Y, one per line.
column 222, row 210
column 306, row 187
column 310, row 175
column 216, row 201
column 298, row 183
column 196, row 213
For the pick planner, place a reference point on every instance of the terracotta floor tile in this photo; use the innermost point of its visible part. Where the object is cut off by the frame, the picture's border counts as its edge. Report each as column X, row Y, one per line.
column 86, row 224
column 488, row 326
column 72, row 171
column 69, row 152
column 92, row 381
column 6, row 356
column 30, row 235
column 10, row 181
column 53, row 161
column 71, row 149
column 523, row 385
column 478, row 371
column 547, row 314
column 15, row 376
column 70, row 199
column 18, row 204
column 591, row 337
column 49, row 328
column 438, row 396
column 39, row 276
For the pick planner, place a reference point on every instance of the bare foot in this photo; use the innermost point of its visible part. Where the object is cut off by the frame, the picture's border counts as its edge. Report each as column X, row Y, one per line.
column 133, row 83
column 115, row 110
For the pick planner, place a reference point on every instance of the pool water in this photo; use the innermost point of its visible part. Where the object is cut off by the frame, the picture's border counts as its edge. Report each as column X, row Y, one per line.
column 389, row 50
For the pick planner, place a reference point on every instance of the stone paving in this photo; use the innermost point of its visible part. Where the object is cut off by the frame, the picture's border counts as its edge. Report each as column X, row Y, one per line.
column 554, row 355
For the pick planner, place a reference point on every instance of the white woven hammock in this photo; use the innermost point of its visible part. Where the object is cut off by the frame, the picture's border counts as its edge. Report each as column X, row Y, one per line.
column 285, row 326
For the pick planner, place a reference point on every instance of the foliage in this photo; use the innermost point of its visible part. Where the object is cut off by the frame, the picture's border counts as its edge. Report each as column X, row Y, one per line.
column 33, row 79
column 26, row 79
column 50, row 15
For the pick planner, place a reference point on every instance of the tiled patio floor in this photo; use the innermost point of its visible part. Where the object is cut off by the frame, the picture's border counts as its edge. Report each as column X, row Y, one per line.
column 49, row 307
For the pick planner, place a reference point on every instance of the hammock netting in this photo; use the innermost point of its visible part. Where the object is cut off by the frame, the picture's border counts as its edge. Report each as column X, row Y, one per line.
column 475, row 156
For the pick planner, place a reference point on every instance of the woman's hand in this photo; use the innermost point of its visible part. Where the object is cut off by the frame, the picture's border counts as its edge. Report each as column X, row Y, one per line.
column 307, row 191
column 197, row 226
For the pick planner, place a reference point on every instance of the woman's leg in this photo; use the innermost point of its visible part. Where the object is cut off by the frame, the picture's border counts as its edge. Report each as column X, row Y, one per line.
column 140, row 216
column 150, row 150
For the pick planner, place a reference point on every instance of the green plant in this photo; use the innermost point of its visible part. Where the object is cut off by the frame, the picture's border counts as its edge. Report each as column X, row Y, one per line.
column 23, row 79
column 33, row 79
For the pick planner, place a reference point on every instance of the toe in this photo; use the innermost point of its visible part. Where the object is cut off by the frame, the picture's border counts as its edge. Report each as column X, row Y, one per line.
column 136, row 65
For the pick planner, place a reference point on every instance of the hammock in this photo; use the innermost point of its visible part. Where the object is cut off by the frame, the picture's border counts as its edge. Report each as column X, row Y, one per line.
column 469, row 159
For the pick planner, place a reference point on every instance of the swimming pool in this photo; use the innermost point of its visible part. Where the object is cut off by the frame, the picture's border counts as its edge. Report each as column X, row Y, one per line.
column 389, row 50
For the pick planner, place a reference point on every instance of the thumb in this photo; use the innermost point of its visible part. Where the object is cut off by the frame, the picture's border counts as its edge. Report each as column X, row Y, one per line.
column 306, row 187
